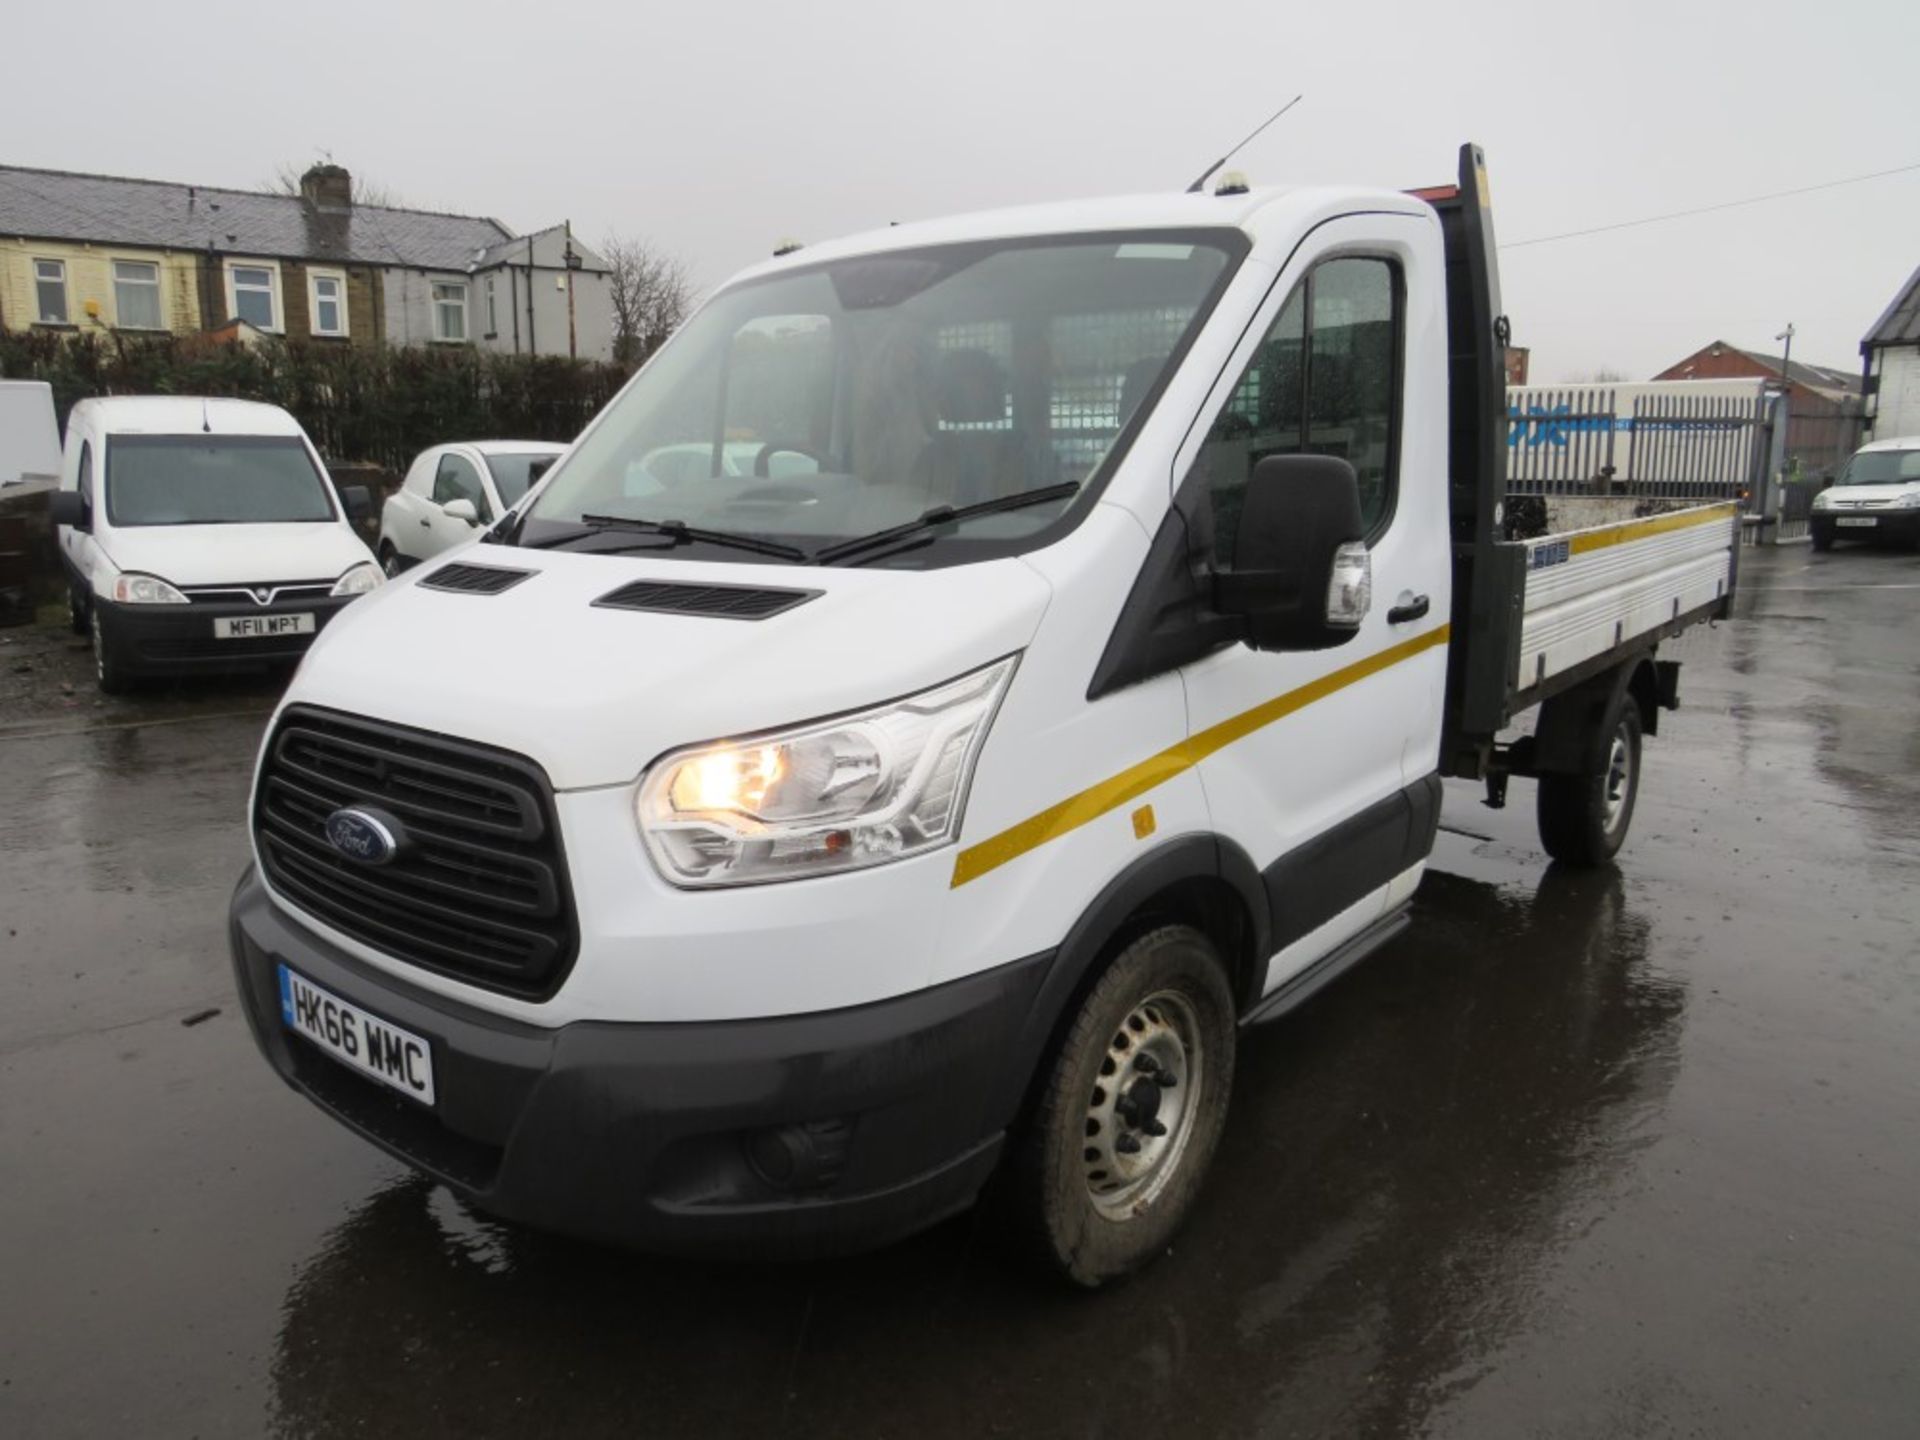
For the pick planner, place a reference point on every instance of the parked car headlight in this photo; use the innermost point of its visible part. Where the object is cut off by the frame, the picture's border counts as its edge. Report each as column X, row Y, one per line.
column 359, row 580
column 840, row 794
column 1821, row 502
column 1909, row 501
column 145, row 590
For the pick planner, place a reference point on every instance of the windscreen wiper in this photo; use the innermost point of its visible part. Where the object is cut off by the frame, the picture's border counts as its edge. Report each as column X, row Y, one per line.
column 677, row 532
column 942, row 515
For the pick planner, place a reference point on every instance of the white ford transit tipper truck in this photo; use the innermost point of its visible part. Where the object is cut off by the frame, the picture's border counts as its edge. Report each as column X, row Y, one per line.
column 1048, row 675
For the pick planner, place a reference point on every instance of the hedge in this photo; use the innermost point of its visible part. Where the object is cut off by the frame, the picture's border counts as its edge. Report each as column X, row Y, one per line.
column 362, row 404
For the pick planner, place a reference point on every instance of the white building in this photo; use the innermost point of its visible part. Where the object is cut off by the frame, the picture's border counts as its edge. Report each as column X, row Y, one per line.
column 1892, row 351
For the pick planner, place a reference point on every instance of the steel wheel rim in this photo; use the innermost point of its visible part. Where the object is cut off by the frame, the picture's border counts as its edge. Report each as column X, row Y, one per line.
column 1149, row 1076
column 1619, row 777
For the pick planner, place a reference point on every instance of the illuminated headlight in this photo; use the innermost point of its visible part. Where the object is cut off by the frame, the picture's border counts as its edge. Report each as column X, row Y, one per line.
column 841, row 794
column 145, row 590
column 359, row 580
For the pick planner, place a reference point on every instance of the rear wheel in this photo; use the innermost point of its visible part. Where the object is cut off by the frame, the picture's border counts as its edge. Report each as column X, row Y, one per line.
column 1584, row 817
column 1130, row 1110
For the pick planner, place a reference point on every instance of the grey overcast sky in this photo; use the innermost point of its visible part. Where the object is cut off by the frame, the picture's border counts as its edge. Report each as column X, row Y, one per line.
column 716, row 129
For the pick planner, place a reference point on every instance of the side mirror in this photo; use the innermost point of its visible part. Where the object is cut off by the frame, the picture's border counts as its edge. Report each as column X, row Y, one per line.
column 358, row 500
column 65, row 507
column 1302, row 578
column 462, row 509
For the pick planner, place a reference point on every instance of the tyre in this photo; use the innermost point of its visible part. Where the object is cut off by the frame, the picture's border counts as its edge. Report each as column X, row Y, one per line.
column 1130, row 1108
column 1584, row 817
column 1822, row 539
column 390, row 563
column 76, row 610
column 108, row 670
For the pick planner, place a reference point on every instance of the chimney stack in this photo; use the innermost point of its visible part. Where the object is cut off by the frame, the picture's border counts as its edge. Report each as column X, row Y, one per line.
column 327, row 187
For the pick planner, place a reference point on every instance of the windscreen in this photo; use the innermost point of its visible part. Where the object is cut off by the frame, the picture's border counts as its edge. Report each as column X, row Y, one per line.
column 1883, row 467
column 213, row 480
column 830, row 403
column 512, row 474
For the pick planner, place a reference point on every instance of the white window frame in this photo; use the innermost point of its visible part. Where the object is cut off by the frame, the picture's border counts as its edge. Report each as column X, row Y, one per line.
column 436, row 303
column 66, row 296
column 272, row 268
column 159, row 291
column 339, row 278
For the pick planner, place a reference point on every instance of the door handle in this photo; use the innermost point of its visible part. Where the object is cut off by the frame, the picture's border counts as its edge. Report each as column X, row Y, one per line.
column 425, row 523
column 1409, row 610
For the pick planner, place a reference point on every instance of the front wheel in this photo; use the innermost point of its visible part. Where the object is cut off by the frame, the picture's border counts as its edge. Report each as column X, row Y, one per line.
column 1822, row 539
column 1130, row 1110
column 76, row 610
column 1584, row 817
column 108, row 670
column 390, row 563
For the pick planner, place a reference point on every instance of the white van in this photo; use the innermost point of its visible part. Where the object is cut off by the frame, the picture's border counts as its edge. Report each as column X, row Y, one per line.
column 201, row 536
column 1877, row 497
column 454, row 490
column 772, row 853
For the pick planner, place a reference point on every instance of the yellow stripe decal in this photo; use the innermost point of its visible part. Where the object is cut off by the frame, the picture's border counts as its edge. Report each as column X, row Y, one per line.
column 1583, row 541
column 1110, row 794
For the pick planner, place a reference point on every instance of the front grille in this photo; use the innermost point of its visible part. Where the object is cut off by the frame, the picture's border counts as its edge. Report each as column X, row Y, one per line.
column 729, row 602
column 478, row 890
column 296, row 591
column 474, row 579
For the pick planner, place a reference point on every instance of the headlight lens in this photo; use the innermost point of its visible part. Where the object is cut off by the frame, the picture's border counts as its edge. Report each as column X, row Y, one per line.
column 359, row 580
column 842, row 794
column 1908, row 502
column 145, row 590
column 1820, row 501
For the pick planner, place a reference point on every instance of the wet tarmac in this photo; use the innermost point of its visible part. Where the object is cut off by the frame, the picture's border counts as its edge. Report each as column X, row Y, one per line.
column 1612, row 1154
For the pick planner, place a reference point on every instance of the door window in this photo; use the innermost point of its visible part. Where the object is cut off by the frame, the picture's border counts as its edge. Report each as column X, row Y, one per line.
column 1324, row 381
column 86, row 474
column 457, row 479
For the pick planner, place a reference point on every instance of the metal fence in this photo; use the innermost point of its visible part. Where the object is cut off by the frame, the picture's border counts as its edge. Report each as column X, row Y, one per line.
column 1691, row 447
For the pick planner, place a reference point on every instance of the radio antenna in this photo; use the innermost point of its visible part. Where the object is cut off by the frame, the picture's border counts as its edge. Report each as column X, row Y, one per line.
column 1197, row 186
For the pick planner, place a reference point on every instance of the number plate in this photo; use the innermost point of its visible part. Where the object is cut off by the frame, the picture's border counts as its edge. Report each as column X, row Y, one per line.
column 256, row 627
column 360, row 1041
column 1861, row 520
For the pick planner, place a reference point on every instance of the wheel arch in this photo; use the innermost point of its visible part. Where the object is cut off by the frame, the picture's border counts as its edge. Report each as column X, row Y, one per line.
column 1568, row 720
column 1206, row 881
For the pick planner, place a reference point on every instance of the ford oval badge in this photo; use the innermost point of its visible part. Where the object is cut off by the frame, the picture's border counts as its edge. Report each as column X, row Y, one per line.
column 369, row 837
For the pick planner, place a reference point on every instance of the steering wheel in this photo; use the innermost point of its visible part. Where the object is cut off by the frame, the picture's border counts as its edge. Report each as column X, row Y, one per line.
column 785, row 447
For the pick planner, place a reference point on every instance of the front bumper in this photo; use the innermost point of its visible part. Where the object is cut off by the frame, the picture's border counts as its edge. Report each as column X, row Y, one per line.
column 179, row 639
column 673, row 1137
column 1896, row 527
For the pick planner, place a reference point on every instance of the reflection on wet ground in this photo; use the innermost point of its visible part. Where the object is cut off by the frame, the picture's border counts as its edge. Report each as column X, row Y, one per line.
column 1621, row 1153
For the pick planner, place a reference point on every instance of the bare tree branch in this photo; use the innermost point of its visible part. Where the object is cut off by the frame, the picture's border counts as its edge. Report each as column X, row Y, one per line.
column 651, row 295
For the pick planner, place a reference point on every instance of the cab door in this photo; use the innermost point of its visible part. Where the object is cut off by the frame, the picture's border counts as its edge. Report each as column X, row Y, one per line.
column 1320, row 764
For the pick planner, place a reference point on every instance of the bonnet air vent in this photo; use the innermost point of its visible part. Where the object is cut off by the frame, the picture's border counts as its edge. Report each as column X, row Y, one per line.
column 474, row 579
column 726, row 602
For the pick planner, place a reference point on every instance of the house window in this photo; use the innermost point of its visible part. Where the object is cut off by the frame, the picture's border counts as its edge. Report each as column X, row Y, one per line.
column 136, row 295
column 253, row 295
column 493, row 315
column 50, row 290
column 449, row 312
column 327, row 302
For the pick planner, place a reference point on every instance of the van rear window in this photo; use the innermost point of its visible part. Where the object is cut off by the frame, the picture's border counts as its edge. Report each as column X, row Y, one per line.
column 214, row 480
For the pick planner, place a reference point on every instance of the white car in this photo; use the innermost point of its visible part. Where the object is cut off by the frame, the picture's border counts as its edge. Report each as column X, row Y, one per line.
column 1877, row 497
column 453, row 491
column 201, row 536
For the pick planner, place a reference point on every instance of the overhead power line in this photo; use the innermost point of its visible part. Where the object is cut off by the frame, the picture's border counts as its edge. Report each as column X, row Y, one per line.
column 1710, row 209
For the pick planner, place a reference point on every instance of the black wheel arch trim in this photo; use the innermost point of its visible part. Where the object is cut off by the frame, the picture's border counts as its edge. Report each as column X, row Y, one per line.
column 1177, row 860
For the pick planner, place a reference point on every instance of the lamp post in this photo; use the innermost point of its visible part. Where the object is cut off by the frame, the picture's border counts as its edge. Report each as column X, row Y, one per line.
column 1786, row 360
